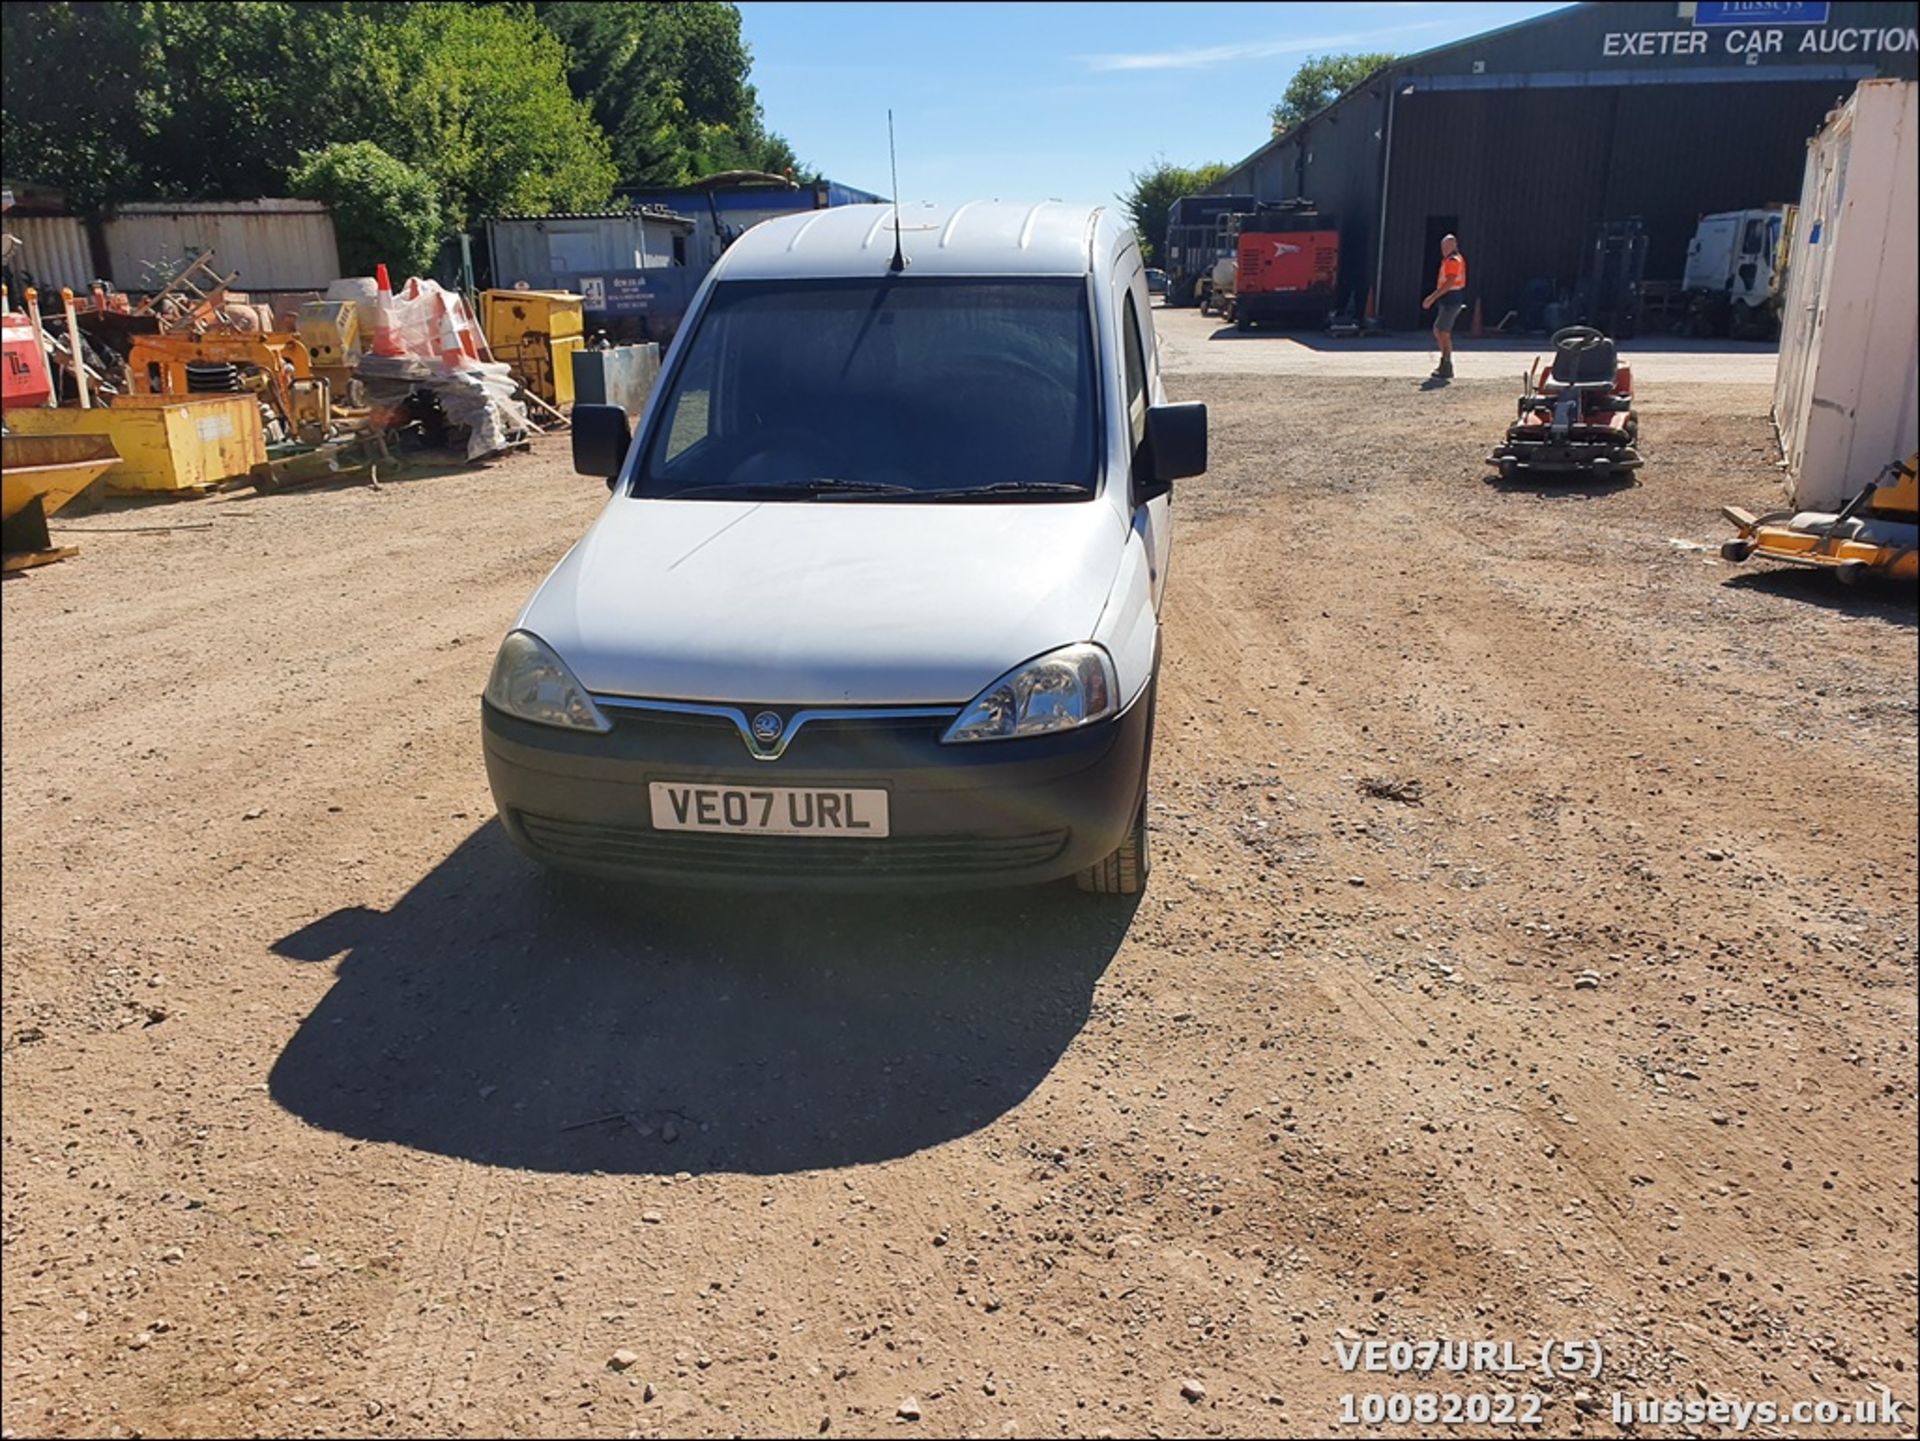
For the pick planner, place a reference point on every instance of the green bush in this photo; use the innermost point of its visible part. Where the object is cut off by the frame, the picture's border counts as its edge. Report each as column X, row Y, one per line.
column 1153, row 192
column 383, row 209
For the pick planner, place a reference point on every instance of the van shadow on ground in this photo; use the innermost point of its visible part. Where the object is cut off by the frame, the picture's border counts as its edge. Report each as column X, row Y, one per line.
column 491, row 1013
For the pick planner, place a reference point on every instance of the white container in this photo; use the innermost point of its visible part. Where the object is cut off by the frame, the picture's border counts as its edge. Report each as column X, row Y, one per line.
column 552, row 251
column 1844, row 392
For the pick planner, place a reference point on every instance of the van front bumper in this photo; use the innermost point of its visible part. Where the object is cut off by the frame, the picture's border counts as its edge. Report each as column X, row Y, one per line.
column 991, row 813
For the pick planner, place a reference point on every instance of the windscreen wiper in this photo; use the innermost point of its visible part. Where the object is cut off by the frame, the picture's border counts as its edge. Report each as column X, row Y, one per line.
column 1011, row 487
column 822, row 485
column 833, row 485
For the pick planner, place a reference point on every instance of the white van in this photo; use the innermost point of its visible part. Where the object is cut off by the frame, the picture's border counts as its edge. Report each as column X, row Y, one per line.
column 876, row 598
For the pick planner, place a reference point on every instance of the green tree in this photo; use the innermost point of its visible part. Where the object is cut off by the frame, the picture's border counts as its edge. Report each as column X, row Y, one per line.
column 143, row 98
column 1154, row 190
column 476, row 96
column 668, row 84
column 383, row 209
column 83, row 138
column 1320, row 81
column 135, row 100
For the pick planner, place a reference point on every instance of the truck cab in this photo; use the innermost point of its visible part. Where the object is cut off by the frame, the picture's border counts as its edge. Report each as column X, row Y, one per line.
column 1735, row 276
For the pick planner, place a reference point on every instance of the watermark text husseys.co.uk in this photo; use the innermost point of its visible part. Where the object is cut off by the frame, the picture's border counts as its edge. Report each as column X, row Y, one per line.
column 1881, row 1410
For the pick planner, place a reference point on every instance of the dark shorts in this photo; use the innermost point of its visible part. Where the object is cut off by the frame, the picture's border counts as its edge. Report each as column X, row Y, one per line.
column 1448, row 312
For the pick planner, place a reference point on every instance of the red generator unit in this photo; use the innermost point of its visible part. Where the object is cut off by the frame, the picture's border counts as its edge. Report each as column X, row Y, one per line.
column 1288, row 266
column 25, row 380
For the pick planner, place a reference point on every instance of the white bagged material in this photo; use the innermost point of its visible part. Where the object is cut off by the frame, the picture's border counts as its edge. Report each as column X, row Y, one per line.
column 423, row 336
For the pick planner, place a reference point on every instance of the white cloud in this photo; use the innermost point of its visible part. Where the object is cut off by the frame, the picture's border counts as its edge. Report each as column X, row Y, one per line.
column 1210, row 55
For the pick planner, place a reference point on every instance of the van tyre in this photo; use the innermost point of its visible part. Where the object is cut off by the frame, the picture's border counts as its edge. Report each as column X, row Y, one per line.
column 1124, row 873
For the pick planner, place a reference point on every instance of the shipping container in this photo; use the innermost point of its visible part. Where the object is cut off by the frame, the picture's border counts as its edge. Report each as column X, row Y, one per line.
column 632, row 268
column 550, row 252
column 722, row 211
column 1846, row 393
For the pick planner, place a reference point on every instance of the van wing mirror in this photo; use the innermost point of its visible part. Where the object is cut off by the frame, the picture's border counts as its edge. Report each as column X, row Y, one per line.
column 601, row 438
column 1175, row 447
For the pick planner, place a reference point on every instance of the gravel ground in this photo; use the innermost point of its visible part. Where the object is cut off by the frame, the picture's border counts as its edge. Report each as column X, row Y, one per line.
column 1530, row 954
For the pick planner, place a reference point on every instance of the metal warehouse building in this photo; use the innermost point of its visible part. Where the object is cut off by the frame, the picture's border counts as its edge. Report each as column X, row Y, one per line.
column 1521, row 139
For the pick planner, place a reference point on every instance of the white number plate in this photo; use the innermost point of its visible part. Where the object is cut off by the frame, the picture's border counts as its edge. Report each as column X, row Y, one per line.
column 767, row 810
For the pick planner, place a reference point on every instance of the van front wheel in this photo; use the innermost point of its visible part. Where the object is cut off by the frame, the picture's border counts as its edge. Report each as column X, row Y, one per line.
column 1124, row 873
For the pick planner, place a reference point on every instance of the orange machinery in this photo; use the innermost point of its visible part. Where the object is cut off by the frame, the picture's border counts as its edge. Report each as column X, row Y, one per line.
column 1288, row 265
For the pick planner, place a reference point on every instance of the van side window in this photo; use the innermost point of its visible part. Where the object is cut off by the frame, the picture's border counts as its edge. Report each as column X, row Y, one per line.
column 1136, row 364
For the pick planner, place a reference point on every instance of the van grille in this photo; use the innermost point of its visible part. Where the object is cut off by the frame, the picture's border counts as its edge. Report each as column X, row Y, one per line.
column 642, row 848
column 827, row 741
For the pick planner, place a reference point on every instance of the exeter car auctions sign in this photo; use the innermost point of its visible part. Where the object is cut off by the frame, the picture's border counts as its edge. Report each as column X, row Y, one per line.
column 1752, row 30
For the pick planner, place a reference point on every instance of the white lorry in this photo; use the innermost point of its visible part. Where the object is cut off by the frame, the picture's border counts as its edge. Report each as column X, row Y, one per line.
column 1735, row 278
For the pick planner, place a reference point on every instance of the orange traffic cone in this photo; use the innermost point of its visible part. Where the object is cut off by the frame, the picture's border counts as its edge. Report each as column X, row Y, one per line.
column 447, row 335
column 1479, row 331
column 385, row 340
column 463, row 322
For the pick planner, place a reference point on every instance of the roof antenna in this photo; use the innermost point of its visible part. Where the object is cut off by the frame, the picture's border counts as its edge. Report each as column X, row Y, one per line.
column 899, row 259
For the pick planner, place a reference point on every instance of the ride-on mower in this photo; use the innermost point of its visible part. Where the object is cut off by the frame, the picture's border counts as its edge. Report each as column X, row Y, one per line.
column 1576, row 418
column 1875, row 533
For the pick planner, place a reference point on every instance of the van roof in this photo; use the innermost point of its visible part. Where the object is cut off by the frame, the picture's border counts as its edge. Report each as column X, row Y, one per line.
column 979, row 237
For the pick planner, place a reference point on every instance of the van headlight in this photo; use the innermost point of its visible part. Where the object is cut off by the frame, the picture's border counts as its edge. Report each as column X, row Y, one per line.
column 531, row 683
column 1064, row 688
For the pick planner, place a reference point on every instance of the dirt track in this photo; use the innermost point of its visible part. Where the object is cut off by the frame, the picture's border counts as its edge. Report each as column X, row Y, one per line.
column 297, row 1051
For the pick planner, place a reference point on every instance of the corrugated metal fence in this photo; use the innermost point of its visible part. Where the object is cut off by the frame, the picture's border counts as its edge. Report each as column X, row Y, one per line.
column 53, row 250
column 275, row 245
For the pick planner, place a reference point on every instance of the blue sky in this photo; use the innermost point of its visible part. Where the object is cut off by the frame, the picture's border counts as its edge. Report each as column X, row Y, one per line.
column 1033, row 101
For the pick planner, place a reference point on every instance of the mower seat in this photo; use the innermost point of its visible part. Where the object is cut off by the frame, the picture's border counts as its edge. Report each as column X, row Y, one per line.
column 1583, row 359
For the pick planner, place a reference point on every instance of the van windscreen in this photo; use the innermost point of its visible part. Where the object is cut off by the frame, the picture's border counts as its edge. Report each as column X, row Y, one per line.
column 883, row 388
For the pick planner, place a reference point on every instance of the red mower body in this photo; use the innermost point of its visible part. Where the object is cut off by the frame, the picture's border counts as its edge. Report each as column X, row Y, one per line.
column 1576, row 416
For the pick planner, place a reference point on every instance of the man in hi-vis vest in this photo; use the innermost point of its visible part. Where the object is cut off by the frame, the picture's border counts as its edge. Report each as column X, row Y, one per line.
column 1450, row 294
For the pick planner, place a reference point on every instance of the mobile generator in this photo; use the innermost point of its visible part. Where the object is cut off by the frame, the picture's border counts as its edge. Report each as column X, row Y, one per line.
column 1289, row 266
